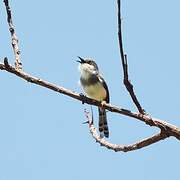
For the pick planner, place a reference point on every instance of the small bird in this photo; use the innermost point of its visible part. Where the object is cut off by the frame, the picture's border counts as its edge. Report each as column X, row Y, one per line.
column 96, row 88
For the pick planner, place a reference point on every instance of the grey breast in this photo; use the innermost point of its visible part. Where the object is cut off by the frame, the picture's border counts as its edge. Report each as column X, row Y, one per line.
column 93, row 79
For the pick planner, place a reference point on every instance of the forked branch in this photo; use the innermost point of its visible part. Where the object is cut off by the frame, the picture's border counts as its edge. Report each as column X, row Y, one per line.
column 14, row 38
column 170, row 130
column 127, row 83
column 166, row 129
column 119, row 147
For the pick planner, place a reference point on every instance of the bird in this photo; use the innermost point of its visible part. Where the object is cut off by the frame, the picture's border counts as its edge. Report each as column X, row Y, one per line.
column 95, row 87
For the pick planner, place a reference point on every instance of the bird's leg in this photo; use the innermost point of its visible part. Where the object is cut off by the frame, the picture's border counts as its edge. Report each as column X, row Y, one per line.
column 83, row 97
column 103, row 103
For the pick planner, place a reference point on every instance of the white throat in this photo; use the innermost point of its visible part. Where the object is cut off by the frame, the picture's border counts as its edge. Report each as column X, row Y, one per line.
column 86, row 70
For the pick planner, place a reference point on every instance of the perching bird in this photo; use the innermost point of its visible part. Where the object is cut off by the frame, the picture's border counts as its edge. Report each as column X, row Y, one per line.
column 95, row 87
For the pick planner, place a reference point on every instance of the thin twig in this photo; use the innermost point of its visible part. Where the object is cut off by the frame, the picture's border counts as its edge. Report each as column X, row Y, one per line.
column 170, row 130
column 119, row 147
column 14, row 38
column 126, row 81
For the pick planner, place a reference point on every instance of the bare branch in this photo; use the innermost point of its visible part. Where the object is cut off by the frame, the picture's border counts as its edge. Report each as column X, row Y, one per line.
column 169, row 129
column 127, row 83
column 14, row 38
column 119, row 147
column 166, row 129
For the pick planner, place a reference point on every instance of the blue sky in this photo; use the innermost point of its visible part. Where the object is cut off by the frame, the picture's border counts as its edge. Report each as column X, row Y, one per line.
column 41, row 132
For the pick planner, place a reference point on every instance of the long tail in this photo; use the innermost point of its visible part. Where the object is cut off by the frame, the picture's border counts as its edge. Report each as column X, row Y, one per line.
column 103, row 126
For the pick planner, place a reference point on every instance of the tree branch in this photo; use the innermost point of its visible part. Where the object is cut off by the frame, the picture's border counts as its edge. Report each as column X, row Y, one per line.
column 14, row 38
column 126, row 81
column 125, row 148
column 169, row 129
column 166, row 129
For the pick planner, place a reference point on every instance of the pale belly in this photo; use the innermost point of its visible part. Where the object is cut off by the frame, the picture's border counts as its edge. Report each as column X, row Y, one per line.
column 96, row 92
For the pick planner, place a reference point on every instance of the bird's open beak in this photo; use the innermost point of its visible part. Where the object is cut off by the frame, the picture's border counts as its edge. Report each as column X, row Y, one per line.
column 81, row 60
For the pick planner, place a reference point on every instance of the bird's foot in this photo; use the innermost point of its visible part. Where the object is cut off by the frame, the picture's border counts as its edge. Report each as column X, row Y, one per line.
column 83, row 97
column 103, row 103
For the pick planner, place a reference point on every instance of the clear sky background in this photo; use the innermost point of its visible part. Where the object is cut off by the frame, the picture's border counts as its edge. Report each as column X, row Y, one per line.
column 41, row 131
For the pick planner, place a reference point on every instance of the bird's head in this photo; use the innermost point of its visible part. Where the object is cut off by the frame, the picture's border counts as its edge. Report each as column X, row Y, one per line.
column 87, row 66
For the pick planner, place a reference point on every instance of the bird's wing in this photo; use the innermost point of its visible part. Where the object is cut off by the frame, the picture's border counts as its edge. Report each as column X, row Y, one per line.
column 106, row 87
